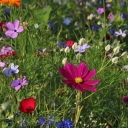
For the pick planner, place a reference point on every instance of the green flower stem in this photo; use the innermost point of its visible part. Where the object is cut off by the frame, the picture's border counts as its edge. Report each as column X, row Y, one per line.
column 58, row 108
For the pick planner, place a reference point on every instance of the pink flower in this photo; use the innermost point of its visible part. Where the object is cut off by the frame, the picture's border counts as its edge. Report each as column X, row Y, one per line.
column 2, row 64
column 1, row 38
column 13, row 29
column 125, row 99
column 111, row 17
column 108, row 5
column 17, row 83
column 78, row 77
column 100, row 10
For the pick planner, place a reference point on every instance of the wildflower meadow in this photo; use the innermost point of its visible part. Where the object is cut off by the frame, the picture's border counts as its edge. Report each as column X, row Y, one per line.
column 63, row 63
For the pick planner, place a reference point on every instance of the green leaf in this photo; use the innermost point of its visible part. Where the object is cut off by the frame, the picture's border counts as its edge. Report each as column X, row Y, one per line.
column 42, row 15
column 4, row 125
column 28, row 1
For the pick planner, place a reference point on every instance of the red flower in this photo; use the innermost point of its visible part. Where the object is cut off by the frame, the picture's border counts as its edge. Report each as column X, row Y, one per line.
column 107, row 12
column 27, row 105
column 107, row 37
column 109, row 126
column 12, row 53
column 123, row 81
column 69, row 43
column 2, row 25
column 39, row 54
column 47, row 52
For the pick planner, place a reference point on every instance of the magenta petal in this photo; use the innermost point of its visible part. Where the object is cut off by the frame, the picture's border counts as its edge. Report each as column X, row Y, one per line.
column 16, row 24
column 10, row 26
column 80, row 88
column 89, row 88
column 90, row 75
column 18, row 87
column 65, row 74
column 93, row 82
column 69, row 67
column 82, row 70
column 20, row 29
column 14, row 35
column 71, row 84
column 9, row 32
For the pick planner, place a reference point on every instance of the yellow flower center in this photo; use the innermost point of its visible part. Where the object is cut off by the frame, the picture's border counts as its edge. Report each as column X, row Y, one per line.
column 78, row 80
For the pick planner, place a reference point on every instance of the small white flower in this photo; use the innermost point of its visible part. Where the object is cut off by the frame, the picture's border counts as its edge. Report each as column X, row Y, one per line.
column 74, row 46
column 5, row 105
column 78, row 56
column 67, row 50
column 51, row 74
column 116, row 50
column 36, row 26
column 99, row 23
column 64, row 61
column 125, row 67
column 90, row 17
column 115, row 59
column 123, row 54
column 107, row 48
column 62, row 49
column 82, row 41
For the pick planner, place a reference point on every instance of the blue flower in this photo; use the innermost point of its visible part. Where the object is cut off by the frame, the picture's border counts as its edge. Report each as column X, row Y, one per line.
column 66, row 21
column 59, row 44
column 112, row 31
column 23, row 123
column 12, row 70
column 123, row 16
column 65, row 124
column 17, row 115
column 122, row 3
column 94, row 28
column 9, row 122
column 51, row 25
column 42, row 119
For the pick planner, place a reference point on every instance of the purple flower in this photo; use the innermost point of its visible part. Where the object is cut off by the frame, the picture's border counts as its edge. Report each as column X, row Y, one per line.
column 123, row 16
column 44, row 6
column 111, row 17
column 17, row 83
column 108, row 5
column 83, row 48
column 94, row 28
column 125, row 99
column 121, row 33
column 2, row 64
column 100, row 10
column 13, row 29
column 65, row 124
column 1, row 38
column 78, row 1
column 43, row 51
column 4, row 50
column 12, row 70
column 71, row 15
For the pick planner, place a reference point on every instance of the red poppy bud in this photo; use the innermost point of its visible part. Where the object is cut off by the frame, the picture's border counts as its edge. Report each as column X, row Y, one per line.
column 123, row 81
column 69, row 43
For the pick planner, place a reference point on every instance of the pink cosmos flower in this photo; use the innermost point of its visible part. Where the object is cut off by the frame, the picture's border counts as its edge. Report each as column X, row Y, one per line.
column 2, row 64
column 17, row 83
column 13, row 29
column 111, row 17
column 125, row 99
column 100, row 10
column 1, row 38
column 78, row 77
